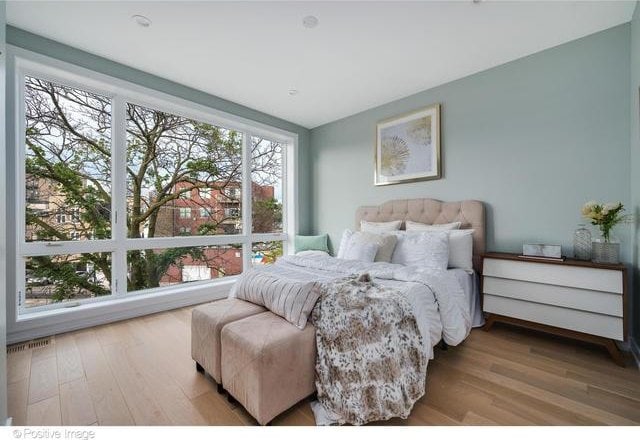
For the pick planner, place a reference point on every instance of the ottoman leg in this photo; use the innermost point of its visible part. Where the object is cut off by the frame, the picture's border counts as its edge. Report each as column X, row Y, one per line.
column 220, row 389
column 199, row 368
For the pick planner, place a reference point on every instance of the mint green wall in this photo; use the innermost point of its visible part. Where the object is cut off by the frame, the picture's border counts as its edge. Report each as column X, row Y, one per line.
column 534, row 138
column 36, row 43
column 3, row 254
column 634, row 93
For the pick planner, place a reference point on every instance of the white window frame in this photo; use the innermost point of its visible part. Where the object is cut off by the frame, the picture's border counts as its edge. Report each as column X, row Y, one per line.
column 23, row 320
column 205, row 193
column 184, row 213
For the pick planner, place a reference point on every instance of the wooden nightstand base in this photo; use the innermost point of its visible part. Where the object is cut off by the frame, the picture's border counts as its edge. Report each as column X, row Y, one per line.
column 609, row 344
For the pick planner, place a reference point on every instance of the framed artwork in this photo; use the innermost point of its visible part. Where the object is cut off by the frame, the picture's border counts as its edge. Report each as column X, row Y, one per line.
column 408, row 147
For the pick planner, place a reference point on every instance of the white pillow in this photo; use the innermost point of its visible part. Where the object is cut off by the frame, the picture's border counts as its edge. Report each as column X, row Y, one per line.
column 461, row 249
column 427, row 249
column 415, row 226
column 344, row 241
column 361, row 251
column 377, row 227
column 386, row 243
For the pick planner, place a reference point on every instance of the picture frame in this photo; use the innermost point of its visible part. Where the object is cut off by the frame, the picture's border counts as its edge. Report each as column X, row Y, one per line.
column 408, row 147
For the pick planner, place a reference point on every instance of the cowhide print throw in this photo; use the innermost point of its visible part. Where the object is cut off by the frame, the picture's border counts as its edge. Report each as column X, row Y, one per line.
column 371, row 363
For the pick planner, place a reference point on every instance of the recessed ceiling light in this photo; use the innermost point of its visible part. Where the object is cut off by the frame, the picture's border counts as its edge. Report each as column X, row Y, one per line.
column 141, row 20
column 310, row 21
column 293, row 92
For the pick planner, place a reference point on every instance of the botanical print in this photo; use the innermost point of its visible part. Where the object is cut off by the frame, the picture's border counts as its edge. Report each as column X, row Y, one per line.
column 408, row 147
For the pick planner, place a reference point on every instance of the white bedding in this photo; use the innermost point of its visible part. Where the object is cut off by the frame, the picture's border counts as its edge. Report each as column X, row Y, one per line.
column 450, row 318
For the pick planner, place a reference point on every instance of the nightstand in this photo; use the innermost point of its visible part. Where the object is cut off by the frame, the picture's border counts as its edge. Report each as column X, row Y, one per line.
column 571, row 298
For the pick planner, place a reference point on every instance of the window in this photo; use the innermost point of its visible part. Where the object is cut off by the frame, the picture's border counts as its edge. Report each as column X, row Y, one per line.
column 265, row 252
column 67, row 159
column 140, row 191
column 205, row 193
column 185, row 212
column 232, row 212
column 266, row 185
column 51, row 279
column 231, row 193
column 195, row 155
column 165, row 267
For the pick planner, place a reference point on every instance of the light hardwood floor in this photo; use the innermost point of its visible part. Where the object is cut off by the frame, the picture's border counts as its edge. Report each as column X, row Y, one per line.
column 140, row 372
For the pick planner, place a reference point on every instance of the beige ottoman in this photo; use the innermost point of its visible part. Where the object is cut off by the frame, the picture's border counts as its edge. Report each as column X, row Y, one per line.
column 268, row 365
column 207, row 322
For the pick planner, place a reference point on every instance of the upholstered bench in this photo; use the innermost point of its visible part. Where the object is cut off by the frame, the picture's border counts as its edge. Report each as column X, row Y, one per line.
column 268, row 364
column 207, row 322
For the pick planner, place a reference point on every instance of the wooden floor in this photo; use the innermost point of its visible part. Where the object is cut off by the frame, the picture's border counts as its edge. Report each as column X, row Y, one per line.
column 140, row 372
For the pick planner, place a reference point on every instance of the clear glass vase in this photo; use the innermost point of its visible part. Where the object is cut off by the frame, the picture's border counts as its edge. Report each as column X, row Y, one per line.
column 605, row 251
column 582, row 243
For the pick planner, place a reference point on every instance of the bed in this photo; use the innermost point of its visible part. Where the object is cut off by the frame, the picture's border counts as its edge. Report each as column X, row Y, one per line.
column 470, row 213
column 443, row 305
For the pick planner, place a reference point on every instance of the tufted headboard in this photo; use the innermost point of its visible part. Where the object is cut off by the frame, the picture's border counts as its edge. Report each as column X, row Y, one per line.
column 430, row 211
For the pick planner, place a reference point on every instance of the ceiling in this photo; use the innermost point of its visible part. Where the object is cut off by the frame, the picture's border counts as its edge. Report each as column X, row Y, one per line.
column 361, row 54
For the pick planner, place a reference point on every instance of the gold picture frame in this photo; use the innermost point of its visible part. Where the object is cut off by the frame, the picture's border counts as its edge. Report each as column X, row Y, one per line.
column 408, row 147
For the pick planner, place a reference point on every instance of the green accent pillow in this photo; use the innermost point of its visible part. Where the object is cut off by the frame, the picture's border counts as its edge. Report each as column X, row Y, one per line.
column 311, row 243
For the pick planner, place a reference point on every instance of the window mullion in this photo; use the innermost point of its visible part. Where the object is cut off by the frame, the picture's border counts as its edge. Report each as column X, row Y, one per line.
column 119, row 195
column 246, row 200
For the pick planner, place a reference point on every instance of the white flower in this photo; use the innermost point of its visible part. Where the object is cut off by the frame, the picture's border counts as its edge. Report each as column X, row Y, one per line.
column 611, row 206
column 591, row 204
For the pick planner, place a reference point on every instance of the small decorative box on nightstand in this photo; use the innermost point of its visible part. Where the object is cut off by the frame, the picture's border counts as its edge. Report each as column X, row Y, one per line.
column 577, row 299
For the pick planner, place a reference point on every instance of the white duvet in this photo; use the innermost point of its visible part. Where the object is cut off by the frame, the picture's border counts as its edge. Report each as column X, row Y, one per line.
column 437, row 298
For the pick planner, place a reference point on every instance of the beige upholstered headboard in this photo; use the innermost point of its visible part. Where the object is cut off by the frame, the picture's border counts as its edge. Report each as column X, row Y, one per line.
column 430, row 211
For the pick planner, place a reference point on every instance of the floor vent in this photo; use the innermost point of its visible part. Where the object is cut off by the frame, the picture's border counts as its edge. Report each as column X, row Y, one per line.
column 17, row 348
column 39, row 343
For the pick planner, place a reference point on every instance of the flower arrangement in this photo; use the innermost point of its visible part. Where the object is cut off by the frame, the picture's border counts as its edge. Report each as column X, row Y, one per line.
column 605, row 216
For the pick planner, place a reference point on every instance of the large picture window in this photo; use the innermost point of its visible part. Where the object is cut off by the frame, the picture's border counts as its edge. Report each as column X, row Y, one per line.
column 122, row 197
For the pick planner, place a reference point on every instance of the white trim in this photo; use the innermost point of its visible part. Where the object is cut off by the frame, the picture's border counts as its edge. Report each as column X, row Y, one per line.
column 122, row 92
column 247, row 195
column 118, row 196
column 290, row 196
column 65, row 320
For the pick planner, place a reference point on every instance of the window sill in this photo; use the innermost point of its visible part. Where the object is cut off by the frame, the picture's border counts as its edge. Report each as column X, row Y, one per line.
column 50, row 322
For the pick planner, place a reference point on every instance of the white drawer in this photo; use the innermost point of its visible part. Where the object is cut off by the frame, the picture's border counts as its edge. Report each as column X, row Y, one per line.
column 580, row 277
column 577, row 320
column 581, row 299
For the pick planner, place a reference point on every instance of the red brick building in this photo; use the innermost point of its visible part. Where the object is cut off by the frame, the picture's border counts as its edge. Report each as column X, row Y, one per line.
column 206, row 211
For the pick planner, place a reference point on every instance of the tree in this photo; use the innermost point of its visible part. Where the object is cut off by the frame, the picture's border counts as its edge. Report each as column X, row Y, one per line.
column 69, row 183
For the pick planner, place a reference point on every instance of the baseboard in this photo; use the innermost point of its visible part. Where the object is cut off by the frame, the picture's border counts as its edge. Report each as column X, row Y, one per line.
column 635, row 351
